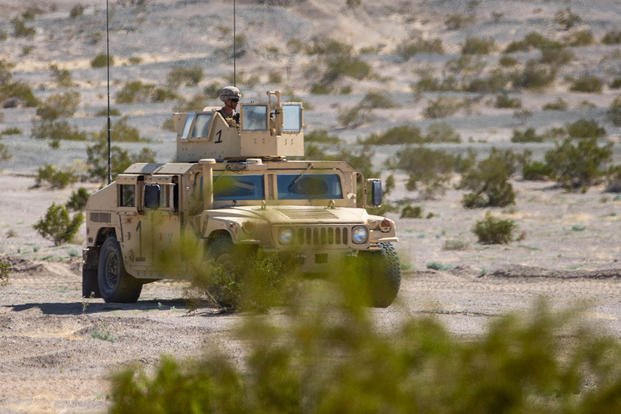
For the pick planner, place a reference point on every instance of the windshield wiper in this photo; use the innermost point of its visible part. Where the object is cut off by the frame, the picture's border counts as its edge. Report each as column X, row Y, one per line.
column 296, row 179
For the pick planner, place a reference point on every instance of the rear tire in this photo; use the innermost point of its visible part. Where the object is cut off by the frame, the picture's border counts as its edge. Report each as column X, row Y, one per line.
column 384, row 274
column 115, row 284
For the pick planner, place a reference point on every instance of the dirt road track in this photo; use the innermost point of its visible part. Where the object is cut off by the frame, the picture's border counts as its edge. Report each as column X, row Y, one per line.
column 56, row 350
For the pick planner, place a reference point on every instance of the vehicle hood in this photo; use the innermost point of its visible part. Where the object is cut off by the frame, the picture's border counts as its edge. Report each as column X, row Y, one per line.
column 295, row 214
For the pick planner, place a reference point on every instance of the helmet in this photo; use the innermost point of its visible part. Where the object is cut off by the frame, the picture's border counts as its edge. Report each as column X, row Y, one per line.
column 229, row 92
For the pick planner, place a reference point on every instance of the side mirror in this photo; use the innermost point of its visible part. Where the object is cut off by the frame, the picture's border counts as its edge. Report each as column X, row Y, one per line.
column 377, row 193
column 152, row 196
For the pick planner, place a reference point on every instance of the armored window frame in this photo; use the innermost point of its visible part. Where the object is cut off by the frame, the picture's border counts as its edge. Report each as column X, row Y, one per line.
column 253, row 120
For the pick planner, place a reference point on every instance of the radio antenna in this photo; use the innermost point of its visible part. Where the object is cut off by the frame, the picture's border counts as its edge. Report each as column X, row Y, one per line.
column 108, row 89
column 234, row 44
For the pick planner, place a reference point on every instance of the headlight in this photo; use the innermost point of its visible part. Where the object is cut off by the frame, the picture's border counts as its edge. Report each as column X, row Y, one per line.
column 359, row 234
column 285, row 236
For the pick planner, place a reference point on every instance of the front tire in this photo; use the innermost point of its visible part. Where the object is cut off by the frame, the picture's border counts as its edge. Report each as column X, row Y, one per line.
column 115, row 284
column 384, row 274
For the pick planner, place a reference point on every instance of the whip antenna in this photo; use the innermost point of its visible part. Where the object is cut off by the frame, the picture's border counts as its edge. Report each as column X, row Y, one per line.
column 108, row 89
column 234, row 45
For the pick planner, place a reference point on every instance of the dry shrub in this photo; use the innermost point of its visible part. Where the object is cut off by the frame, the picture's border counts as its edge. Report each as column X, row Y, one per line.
column 493, row 230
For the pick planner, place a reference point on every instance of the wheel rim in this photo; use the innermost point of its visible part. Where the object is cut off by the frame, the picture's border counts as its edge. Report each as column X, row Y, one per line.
column 112, row 271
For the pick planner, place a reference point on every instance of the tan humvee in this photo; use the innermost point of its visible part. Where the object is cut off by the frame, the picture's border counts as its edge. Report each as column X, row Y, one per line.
column 233, row 186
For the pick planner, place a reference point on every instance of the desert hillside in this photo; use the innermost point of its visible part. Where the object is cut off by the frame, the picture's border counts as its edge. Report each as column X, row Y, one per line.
column 464, row 75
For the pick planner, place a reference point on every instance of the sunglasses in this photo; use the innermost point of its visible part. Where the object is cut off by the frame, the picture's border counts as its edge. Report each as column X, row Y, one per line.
column 234, row 100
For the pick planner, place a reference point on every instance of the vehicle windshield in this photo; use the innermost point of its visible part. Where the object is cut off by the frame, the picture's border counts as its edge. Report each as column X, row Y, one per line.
column 238, row 187
column 305, row 186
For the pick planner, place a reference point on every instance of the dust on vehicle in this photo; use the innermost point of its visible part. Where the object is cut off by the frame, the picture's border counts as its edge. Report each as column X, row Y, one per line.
column 233, row 185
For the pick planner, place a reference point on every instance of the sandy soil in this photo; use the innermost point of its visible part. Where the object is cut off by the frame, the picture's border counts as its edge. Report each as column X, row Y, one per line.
column 58, row 350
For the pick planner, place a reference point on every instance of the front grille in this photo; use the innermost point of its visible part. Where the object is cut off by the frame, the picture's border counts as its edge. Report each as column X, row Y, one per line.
column 314, row 236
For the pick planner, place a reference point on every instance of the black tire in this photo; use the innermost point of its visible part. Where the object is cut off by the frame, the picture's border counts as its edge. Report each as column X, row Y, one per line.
column 115, row 284
column 221, row 249
column 384, row 273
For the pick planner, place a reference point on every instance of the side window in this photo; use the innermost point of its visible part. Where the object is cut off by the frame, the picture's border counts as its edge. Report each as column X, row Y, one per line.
column 254, row 118
column 127, row 195
column 201, row 127
column 188, row 124
column 292, row 118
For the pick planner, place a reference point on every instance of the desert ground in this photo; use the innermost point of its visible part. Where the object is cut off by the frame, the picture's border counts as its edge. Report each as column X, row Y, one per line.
column 57, row 350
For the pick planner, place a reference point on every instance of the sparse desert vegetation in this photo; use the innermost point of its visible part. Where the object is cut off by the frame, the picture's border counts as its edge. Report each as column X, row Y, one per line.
column 417, row 94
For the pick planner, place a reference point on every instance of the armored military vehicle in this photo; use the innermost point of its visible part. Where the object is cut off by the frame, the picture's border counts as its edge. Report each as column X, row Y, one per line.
column 232, row 185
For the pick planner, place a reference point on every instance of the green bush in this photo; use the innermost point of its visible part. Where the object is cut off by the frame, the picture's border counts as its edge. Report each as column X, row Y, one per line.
column 54, row 177
column 343, row 65
column 580, row 38
column 615, row 83
column 101, row 60
column 62, row 77
column 5, row 154
column 321, row 136
column 136, row 91
column 404, row 134
column 614, row 111
column 507, row 61
column 410, row 211
column 11, row 131
column 104, row 112
column 528, row 135
column 534, row 76
column 409, row 48
column 195, row 103
column 429, row 84
column 458, row 21
column 557, row 56
column 120, row 131
column 190, row 76
column 585, row 128
column 360, row 113
column 489, row 181
column 5, row 269
column 18, row 90
column 97, row 158
column 495, row 82
column 76, row 11
column 504, row 101
column 566, row 19
column 325, row 353
column 57, row 225
column 535, row 171
column 430, row 171
column 578, row 164
column 59, row 105
column 77, row 200
column 478, row 46
column 558, row 105
column 442, row 132
column 56, row 131
column 20, row 29
column 532, row 40
column 328, row 46
column 613, row 179
column 442, row 107
column 588, row 84
column 612, row 37
column 493, row 230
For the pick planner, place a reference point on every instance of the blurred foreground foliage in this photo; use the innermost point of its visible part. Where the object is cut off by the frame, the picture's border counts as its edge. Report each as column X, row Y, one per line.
column 324, row 353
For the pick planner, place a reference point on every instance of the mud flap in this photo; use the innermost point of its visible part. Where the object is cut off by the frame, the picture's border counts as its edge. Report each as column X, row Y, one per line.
column 90, row 286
